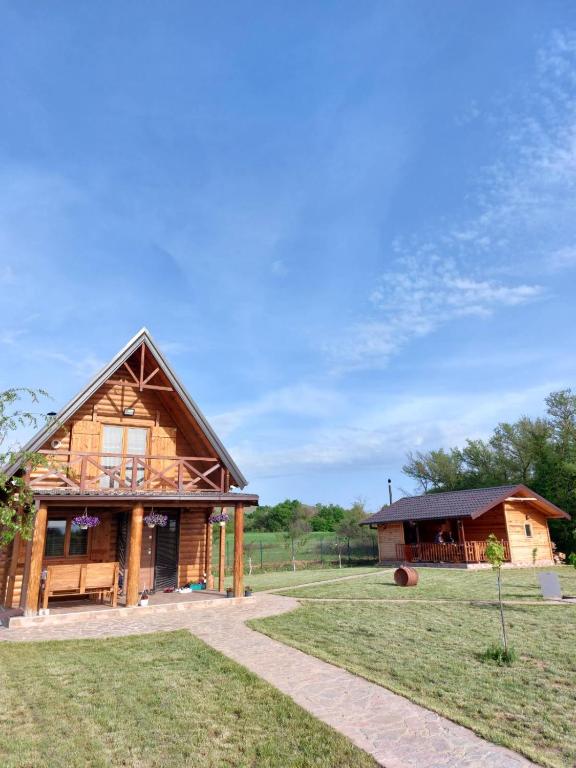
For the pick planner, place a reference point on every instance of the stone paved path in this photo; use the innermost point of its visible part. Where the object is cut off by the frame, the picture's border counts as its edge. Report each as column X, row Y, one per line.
column 396, row 732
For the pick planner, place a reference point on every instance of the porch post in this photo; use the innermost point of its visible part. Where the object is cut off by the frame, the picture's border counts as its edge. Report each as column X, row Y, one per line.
column 135, row 548
column 222, row 557
column 35, row 565
column 238, row 551
column 208, row 563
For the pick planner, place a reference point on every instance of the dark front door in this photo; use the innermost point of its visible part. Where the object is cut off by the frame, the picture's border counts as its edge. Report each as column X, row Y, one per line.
column 166, row 570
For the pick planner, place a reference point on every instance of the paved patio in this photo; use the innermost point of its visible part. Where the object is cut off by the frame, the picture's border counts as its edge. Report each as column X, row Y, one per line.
column 396, row 732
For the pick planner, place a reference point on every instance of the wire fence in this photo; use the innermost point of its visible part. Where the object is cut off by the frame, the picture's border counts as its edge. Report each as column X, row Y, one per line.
column 275, row 552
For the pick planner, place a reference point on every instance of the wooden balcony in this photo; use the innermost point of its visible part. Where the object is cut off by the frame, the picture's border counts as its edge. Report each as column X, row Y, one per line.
column 468, row 552
column 113, row 472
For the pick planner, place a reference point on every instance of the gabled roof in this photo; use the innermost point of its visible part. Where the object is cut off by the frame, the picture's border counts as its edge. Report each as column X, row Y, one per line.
column 142, row 337
column 470, row 503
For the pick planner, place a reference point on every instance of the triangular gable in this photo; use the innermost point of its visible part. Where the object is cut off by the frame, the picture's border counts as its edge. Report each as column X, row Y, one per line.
column 143, row 337
column 523, row 493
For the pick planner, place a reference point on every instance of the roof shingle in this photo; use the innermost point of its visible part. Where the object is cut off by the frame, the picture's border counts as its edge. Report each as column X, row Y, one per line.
column 441, row 505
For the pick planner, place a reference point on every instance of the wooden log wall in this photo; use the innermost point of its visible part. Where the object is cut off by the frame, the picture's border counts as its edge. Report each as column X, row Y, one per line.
column 102, row 542
column 4, row 561
column 389, row 535
column 492, row 521
column 172, row 429
column 192, row 552
column 521, row 546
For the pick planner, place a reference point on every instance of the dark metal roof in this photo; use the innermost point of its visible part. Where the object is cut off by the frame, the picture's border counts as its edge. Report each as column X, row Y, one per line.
column 433, row 506
column 143, row 336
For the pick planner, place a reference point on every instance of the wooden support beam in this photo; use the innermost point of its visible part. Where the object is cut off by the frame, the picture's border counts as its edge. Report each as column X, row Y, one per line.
column 222, row 558
column 142, row 353
column 135, row 548
column 208, row 561
column 239, row 551
column 36, row 557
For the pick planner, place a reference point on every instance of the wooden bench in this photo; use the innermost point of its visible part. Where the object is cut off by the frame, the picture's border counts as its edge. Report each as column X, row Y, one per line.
column 82, row 579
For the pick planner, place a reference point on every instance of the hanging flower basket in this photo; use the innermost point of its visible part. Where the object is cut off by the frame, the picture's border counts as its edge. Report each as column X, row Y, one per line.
column 220, row 517
column 152, row 519
column 85, row 521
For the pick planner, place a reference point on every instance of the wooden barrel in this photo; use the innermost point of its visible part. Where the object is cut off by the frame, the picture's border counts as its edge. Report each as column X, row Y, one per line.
column 405, row 576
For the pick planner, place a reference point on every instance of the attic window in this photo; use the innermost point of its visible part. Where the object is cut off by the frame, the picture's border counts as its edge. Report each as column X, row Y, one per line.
column 528, row 530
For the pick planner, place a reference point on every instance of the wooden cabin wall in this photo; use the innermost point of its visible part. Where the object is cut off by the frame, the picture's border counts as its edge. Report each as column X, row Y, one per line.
column 521, row 546
column 101, row 548
column 19, row 575
column 192, row 551
column 492, row 521
column 389, row 535
column 107, row 405
column 4, row 563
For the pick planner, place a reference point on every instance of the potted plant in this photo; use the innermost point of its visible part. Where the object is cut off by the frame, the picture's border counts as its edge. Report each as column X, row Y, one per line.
column 229, row 592
column 248, row 592
column 144, row 599
column 152, row 519
column 85, row 521
column 219, row 517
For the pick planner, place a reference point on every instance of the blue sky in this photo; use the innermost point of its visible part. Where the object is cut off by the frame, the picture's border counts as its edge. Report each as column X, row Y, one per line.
column 350, row 225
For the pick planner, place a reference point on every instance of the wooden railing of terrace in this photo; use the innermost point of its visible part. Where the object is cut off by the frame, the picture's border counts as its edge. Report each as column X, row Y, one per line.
column 109, row 472
column 468, row 552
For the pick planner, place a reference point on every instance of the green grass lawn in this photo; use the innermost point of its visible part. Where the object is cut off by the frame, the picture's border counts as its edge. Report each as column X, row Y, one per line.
column 151, row 701
column 444, row 583
column 279, row 579
column 430, row 652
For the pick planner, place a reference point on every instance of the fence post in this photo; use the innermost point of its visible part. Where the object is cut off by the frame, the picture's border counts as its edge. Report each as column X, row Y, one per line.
column 261, row 556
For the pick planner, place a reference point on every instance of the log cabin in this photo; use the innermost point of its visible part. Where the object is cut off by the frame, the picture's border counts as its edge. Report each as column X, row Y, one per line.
column 452, row 528
column 131, row 442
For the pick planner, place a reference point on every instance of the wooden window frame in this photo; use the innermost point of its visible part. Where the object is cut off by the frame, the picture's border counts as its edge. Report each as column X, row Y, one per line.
column 528, row 527
column 66, row 556
column 125, row 427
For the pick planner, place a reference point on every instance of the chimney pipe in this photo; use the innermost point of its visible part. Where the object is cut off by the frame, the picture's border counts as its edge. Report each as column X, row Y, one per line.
column 390, row 490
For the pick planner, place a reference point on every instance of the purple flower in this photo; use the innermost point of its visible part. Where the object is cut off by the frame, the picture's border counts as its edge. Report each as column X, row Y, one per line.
column 156, row 518
column 219, row 517
column 86, row 521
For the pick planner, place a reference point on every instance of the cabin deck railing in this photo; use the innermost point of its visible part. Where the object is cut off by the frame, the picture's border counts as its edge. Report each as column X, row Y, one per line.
column 109, row 472
column 468, row 552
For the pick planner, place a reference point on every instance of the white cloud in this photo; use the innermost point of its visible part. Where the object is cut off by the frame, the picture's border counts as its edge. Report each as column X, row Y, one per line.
column 11, row 336
column 296, row 400
column 521, row 222
column 381, row 435
column 83, row 366
column 421, row 295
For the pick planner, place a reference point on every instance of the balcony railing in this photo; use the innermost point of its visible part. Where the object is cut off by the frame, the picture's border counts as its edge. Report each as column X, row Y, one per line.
column 108, row 472
column 468, row 552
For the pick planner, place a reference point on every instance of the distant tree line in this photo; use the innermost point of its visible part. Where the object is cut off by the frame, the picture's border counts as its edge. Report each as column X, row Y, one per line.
column 540, row 453
column 294, row 518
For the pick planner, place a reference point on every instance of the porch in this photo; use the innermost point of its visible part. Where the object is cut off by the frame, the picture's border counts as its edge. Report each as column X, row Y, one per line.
column 75, row 611
column 430, row 552
column 64, row 566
